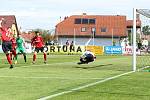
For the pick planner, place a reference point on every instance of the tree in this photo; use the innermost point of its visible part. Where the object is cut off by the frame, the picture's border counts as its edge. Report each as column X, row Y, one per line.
column 130, row 37
column 146, row 30
column 46, row 34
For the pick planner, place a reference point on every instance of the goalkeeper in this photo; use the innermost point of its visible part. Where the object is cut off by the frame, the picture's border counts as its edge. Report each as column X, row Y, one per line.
column 87, row 57
column 20, row 47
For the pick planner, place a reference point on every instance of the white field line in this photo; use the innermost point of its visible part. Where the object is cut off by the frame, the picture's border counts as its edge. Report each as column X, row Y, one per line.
column 143, row 68
column 69, row 78
column 86, row 86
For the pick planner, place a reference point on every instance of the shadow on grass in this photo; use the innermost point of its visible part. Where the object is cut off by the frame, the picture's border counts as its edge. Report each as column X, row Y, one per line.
column 98, row 66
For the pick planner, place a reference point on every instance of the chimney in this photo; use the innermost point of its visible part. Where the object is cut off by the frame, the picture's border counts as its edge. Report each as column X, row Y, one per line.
column 83, row 13
column 137, row 16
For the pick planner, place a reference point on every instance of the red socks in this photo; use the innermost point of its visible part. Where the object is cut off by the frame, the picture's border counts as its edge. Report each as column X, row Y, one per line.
column 14, row 53
column 10, row 56
column 34, row 57
column 45, row 57
column 9, row 59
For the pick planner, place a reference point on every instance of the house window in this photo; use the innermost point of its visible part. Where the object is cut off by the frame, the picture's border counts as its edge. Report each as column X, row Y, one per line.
column 84, row 21
column 103, row 29
column 129, row 31
column 91, row 21
column 83, row 29
column 78, row 21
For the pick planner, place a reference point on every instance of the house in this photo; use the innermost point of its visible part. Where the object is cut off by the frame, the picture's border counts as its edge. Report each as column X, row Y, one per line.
column 10, row 22
column 28, row 36
column 99, row 26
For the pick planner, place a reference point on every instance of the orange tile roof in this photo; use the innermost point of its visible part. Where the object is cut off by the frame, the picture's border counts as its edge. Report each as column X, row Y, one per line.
column 9, row 20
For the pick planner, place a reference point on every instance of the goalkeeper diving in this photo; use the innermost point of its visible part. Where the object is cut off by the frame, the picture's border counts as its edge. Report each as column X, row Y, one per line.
column 87, row 57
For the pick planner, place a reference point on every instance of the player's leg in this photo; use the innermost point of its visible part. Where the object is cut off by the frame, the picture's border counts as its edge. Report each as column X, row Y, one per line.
column 17, row 52
column 24, row 54
column 25, row 57
column 44, row 54
column 45, row 57
column 34, row 55
column 82, row 60
column 11, row 57
column 6, row 46
column 14, row 54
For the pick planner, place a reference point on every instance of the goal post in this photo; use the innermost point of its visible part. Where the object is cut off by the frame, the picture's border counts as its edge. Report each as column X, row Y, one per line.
column 142, row 59
column 134, row 39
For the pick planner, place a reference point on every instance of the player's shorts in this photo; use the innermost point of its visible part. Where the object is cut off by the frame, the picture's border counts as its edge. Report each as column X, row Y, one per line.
column 7, row 46
column 20, row 50
column 39, row 49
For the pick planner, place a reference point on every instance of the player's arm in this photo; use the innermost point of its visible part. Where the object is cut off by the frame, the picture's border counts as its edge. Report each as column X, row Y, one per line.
column 42, row 41
column 0, row 35
column 32, row 41
column 83, row 55
column 1, row 26
column 24, row 43
column 1, row 22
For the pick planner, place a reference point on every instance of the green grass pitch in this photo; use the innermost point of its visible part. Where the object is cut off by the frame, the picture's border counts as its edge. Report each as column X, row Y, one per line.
column 62, row 74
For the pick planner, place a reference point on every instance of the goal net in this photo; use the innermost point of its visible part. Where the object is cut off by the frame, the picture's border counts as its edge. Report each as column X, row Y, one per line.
column 141, row 39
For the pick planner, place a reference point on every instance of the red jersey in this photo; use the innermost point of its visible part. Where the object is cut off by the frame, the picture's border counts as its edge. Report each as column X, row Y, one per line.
column 13, row 40
column 37, row 41
column 6, row 36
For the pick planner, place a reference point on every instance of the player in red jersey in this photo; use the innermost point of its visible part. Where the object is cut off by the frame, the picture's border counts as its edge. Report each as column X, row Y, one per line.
column 14, row 45
column 38, row 44
column 6, row 42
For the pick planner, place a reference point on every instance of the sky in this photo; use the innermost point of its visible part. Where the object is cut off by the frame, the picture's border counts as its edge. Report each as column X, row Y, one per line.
column 45, row 14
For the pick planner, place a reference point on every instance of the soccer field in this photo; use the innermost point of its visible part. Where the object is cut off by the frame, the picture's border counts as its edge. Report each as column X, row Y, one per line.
column 108, row 78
